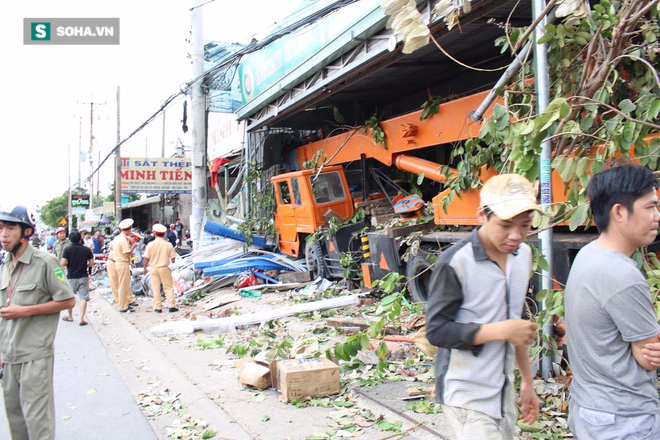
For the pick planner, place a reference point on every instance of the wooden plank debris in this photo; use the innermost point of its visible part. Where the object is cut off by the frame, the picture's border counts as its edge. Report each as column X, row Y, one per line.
column 295, row 277
column 214, row 303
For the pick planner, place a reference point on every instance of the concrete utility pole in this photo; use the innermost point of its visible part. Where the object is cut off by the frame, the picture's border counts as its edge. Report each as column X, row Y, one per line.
column 69, row 183
column 118, row 169
column 79, row 164
column 162, row 154
column 98, row 182
column 91, row 150
column 79, row 153
column 199, row 127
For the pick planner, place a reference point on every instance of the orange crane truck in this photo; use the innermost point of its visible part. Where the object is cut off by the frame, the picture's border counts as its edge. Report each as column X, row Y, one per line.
column 305, row 198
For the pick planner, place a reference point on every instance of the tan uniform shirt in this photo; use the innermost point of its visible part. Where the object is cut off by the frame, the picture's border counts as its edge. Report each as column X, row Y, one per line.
column 121, row 247
column 59, row 246
column 36, row 279
column 159, row 252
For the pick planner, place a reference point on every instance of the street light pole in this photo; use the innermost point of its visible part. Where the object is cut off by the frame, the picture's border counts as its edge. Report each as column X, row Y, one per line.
column 69, row 183
column 118, row 169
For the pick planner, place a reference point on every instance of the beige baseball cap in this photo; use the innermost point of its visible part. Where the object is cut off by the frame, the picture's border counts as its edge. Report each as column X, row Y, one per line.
column 508, row 195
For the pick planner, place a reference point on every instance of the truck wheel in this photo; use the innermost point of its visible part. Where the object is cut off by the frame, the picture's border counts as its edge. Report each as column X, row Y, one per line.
column 418, row 273
column 314, row 260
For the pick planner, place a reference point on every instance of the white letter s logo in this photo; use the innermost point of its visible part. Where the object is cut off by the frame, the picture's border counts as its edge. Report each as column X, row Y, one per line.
column 40, row 31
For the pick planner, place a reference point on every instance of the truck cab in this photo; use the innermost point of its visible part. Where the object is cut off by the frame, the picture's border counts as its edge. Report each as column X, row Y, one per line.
column 303, row 198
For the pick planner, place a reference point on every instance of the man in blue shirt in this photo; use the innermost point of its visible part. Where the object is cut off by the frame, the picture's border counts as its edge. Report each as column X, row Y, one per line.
column 98, row 242
column 50, row 241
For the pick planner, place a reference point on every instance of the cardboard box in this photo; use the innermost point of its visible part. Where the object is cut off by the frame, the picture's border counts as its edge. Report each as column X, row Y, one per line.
column 255, row 375
column 299, row 378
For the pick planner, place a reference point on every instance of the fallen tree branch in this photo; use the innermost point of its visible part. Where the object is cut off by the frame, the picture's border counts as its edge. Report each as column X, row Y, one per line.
column 532, row 26
column 619, row 112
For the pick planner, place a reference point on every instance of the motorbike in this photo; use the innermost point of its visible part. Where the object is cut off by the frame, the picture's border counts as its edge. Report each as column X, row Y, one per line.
column 100, row 263
column 182, row 251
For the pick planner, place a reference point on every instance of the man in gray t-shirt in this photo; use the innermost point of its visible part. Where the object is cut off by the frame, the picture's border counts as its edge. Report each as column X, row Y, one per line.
column 611, row 324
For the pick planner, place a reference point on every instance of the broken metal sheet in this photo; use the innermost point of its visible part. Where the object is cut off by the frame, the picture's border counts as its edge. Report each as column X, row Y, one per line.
column 241, row 266
column 224, row 231
column 214, row 284
column 280, row 287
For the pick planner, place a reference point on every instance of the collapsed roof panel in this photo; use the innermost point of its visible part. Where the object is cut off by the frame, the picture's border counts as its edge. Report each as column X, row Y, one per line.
column 371, row 73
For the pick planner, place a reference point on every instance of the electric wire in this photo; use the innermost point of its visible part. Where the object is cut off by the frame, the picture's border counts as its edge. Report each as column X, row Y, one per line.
column 213, row 71
column 166, row 103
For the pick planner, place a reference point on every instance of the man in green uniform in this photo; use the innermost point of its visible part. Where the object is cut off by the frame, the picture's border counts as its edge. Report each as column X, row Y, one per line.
column 33, row 292
column 62, row 243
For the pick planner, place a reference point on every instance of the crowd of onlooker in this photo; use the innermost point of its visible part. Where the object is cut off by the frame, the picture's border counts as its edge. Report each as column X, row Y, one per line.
column 99, row 239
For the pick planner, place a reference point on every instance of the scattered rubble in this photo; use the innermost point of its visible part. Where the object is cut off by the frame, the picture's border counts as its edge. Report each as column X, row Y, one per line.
column 271, row 325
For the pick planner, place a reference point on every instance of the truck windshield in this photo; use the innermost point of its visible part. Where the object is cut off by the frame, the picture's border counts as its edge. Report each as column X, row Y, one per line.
column 327, row 187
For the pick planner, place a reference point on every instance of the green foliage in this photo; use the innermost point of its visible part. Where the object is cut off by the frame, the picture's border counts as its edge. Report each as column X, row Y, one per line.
column 192, row 298
column 240, row 349
column 337, row 115
column 313, row 163
column 111, row 197
column 335, row 224
column 648, row 262
column 208, row 345
column 54, row 209
column 376, row 130
column 389, row 310
column 598, row 98
column 431, row 106
column 604, row 103
column 394, row 300
column 414, row 181
column 384, row 425
column 347, row 350
column 267, row 344
column 424, row 407
column 260, row 220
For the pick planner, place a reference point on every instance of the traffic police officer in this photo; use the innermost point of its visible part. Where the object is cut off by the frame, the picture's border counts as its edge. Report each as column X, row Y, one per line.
column 158, row 254
column 122, row 250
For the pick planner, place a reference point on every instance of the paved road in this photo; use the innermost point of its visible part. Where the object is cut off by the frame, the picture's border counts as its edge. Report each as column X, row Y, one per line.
column 91, row 399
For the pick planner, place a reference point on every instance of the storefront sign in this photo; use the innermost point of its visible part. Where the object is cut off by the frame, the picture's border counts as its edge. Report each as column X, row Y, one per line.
column 156, row 175
column 261, row 69
column 226, row 135
column 79, row 203
column 108, row 207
